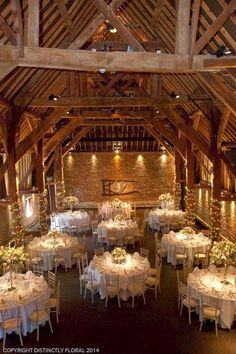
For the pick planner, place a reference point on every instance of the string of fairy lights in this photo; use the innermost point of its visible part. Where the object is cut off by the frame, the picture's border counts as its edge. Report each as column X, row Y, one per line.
column 190, row 207
column 215, row 212
column 43, row 211
column 16, row 224
column 60, row 195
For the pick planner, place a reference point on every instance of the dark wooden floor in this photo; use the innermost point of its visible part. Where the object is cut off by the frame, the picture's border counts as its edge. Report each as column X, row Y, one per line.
column 154, row 328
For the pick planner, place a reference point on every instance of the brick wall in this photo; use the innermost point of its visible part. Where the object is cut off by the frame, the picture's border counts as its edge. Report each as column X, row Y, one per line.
column 153, row 174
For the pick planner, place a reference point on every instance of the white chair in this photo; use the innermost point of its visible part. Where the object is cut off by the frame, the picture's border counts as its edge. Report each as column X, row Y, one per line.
column 187, row 301
column 112, row 287
column 91, row 285
column 99, row 251
column 83, row 271
column 51, row 283
column 11, row 322
column 153, row 282
column 40, row 315
column 59, row 259
column 209, row 309
column 137, row 287
column 35, row 259
column 54, row 302
column 144, row 252
column 129, row 240
column 38, row 270
column 78, row 254
column 186, row 271
column 201, row 256
column 180, row 255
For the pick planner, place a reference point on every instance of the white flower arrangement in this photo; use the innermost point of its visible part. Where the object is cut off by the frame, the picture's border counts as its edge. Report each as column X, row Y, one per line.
column 188, row 230
column 12, row 256
column 54, row 234
column 116, row 203
column 223, row 252
column 119, row 255
column 70, row 201
column 118, row 218
column 166, row 197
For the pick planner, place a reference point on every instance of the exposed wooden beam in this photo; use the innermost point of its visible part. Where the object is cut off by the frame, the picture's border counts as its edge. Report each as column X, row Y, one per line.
column 223, row 123
column 158, row 9
column 38, row 132
column 59, row 136
column 76, row 139
column 65, row 59
column 194, row 24
column 196, row 119
column 217, row 86
column 182, row 27
column 7, row 30
column 93, row 26
column 5, row 69
column 33, row 23
column 227, row 62
column 116, row 22
column 32, row 126
column 187, row 130
column 122, row 46
column 105, row 101
column 157, row 136
column 65, row 15
column 216, row 25
column 18, row 26
column 228, row 164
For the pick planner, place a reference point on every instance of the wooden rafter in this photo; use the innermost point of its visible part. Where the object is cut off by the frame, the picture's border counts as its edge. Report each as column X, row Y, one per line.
column 116, row 22
column 158, row 9
column 76, row 139
column 158, row 137
column 223, row 123
column 93, row 26
column 182, row 27
column 122, row 46
column 59, row 136
column 7, row 30
column 194, row 24
column 33, row 23
column 18, row 26
column 216, row 25
column 65, row 15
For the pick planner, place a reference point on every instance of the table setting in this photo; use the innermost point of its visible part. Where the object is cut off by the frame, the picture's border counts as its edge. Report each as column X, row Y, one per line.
column 166, row 216
column 118, row 262
column 22, row 290
column 188, row 238
column 110, row 210
column 54, row 242
column 79, row 219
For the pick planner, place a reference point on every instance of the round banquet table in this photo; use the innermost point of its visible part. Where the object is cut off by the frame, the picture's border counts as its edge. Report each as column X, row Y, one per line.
column 100, row 266
column 203, row 282
column 80, row 219
column 46, row 247
column 29, row 289
column 169, row 217
column 111, row 210
column 192, row 242
column 118, row 229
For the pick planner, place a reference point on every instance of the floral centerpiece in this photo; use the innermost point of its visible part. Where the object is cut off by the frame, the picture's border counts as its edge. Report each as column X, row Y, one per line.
column 119, row 255
column 166, row 197
column 188, row 231
column 70, row 201
column 11, row 258
column 54, row 234
column 223, row 253
column 116, row 203
column 118, row 218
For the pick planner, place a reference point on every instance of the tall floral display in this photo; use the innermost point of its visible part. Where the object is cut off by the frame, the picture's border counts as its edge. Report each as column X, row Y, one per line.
column 190, row 207
column 11, row 259
column 70, row 202
column 215, row 212
column 17, row 230
column 60, row 195
column 43, row 211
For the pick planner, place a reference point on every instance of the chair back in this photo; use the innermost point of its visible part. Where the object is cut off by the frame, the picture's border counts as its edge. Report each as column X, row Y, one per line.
column 112, row 280
column 209, row 301
column 37, row 270
column 138, row 284
column 84, row 262
column 51, row 279
column 144, row 252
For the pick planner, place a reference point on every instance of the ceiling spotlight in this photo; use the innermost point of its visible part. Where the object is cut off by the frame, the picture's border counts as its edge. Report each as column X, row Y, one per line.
column 158, row 50
column 158, row 111
column 174, row 95
column 222, row 50
column 111, row 28
column 52, row 97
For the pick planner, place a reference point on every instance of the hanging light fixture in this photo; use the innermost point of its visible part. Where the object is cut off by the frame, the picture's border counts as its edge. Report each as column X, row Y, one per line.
column 111, row 28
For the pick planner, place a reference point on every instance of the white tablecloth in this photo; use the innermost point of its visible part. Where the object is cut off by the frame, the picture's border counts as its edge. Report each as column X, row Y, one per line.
column 110, row 210
column 135, row 265
column 170, row 240
column 30, row 289
column 170, row 217
column 46, row 247
column 206, row 283
column 118, row 229
column 80, row 219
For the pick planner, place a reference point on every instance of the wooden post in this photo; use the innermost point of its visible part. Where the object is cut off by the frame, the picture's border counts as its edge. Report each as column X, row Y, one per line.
column 60, row 191
column 216, row 180
column 177, row 182
column 41, row 188
column 190, row 202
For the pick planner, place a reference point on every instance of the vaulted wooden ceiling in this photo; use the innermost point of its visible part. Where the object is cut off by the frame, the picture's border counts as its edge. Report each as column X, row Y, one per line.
column 118, row 85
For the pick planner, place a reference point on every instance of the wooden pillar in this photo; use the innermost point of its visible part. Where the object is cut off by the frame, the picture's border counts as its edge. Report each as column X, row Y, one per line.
column 60, row 190
column 177, row 181
column 190, row 200
column 215, row 115
column 42, row 196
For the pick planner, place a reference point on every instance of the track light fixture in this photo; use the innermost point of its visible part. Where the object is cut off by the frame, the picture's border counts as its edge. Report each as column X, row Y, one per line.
column 222, row 51
column 52, row 97
column 174, row 95
column 111, row 28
